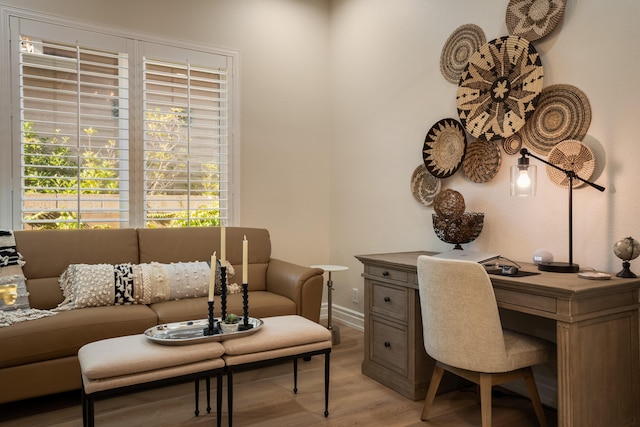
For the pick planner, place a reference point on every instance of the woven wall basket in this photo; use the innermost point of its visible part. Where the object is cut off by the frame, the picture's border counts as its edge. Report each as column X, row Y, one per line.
column 424, row 186
column 444, row 148
column 533, row 19
column 574, row 156
column 482, row 161
column 563, row 112
column 499, row 89
column 461, row 44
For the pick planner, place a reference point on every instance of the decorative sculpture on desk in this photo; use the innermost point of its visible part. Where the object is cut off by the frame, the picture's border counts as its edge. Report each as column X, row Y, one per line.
column 450, row 221
column 626, row 249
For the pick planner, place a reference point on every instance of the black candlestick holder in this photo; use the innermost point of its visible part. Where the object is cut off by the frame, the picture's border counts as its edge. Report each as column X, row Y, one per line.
column 223, row 291
column 212, row 328
column 245, row 309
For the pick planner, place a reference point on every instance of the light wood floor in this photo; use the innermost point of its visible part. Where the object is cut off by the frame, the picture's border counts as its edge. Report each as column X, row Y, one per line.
column 265, row 398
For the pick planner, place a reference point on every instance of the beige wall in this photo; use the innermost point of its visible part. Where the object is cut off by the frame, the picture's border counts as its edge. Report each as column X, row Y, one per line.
column 337, row 96
column 284, row 131
column 385, row 65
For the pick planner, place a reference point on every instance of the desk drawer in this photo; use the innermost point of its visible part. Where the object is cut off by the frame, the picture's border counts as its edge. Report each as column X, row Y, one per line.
column 389, row 346
column 385, row 273
column 529, row 301
column 389, row 301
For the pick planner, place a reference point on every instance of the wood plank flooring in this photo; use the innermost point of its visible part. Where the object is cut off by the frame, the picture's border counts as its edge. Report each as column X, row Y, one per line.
column 265, row 398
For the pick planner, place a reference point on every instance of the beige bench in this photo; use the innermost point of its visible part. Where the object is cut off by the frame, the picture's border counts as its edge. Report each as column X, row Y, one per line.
column 280, row 339
column 131, row 363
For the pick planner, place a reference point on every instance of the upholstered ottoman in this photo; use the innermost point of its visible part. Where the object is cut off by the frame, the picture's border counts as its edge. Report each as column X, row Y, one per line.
column 280, row 339
column 131, row 363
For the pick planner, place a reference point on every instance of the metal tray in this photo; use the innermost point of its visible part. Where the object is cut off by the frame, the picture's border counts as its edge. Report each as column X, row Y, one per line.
column 191, row 332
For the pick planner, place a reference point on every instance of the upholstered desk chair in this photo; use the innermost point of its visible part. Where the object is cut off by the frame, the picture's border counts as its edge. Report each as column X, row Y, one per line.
column 463, row 333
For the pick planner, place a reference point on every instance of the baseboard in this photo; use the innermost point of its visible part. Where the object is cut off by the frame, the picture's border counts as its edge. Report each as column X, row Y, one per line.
column 346, row 316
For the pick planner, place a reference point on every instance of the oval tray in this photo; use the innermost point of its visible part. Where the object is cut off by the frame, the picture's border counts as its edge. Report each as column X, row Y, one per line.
column 191, row 332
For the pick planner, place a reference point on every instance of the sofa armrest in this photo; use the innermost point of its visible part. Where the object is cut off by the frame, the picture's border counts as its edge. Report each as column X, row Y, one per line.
column 300, row 284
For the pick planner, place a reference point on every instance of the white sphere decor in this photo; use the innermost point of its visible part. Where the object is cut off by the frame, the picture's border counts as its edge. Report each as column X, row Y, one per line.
column 542, row 255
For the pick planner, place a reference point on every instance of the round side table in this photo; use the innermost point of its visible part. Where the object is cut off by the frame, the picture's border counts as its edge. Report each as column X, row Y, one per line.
column 335, row 331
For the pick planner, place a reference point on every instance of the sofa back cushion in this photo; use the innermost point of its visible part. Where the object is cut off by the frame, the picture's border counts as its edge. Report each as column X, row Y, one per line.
column 48, row 253
column 166, row 245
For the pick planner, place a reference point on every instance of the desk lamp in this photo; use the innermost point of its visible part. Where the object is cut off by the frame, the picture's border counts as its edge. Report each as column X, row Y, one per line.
column 523, row 183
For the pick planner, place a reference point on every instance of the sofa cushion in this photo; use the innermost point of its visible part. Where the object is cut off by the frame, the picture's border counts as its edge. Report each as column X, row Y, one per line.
column 94, row 285
column 199, row 243
column 48, row 253
column 63, row 334
column 261, row 304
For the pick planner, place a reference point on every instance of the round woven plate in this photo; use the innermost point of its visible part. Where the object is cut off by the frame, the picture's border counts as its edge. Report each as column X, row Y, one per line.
column 444, row 148
column 499, row 89
column 563, row 112
column 574, row 156
column 482, row 160
column 461, row 44
column 533, row 19
column 424, row 186
column 512, row 144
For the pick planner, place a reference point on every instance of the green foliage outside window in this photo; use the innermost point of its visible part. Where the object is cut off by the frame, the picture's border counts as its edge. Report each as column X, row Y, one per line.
column 52, row 167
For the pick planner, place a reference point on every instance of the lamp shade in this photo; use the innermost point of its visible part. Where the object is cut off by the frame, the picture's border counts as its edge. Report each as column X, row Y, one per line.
column 523, row 178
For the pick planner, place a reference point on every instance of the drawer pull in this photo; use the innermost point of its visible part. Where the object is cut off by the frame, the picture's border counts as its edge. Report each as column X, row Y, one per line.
column 385, row 273
column 387, row 299
column 387, row 344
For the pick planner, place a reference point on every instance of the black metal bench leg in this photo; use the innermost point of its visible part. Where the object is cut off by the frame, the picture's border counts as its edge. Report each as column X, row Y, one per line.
column 197, row 392
column 85, row 412
column 90, row 412
column 327, row 365
column 295, row 375
column 208, row 381
column 219, row 398
column 230, row 397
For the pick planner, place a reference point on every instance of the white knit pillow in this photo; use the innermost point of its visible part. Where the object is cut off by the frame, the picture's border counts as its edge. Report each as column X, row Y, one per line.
column 94, row 285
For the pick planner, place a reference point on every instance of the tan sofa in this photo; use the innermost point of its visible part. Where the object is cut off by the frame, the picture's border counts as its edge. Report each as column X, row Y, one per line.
column 39, row 357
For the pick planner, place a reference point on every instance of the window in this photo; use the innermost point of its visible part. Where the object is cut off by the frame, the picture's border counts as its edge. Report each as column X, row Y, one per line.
column 110, row 131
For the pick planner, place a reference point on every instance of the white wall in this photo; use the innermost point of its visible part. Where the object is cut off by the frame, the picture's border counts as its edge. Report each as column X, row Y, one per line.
column 388, row 91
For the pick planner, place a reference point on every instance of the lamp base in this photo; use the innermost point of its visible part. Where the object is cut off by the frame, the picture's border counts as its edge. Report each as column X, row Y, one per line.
column 558, row 267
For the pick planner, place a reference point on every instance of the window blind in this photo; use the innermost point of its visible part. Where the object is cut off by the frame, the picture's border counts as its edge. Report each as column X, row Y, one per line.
column 113, row 131
column 186, row 143
column 74, row 122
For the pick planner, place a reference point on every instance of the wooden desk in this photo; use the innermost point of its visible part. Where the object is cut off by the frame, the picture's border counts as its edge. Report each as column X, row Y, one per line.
column 597, row 335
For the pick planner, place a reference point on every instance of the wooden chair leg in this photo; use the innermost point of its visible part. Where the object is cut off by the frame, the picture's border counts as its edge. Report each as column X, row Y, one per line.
column 436, row 377
column 485, row 399
column 535, row 398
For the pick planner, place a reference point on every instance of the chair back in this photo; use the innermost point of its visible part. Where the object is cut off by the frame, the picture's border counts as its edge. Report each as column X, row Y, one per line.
column 460, row 319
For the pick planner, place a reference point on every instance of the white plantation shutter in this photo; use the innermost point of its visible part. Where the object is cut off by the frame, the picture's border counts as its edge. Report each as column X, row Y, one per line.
column 186, row 130
column 74, row 134
column 117, row 132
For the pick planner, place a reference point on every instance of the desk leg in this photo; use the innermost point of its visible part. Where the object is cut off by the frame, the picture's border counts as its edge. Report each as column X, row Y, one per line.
column 598, row 371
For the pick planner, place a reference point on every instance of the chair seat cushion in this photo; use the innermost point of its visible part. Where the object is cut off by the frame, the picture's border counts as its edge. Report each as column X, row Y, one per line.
column 526, row 350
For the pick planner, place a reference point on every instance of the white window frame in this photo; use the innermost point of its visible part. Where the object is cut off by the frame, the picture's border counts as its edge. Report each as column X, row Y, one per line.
column 10, row 162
